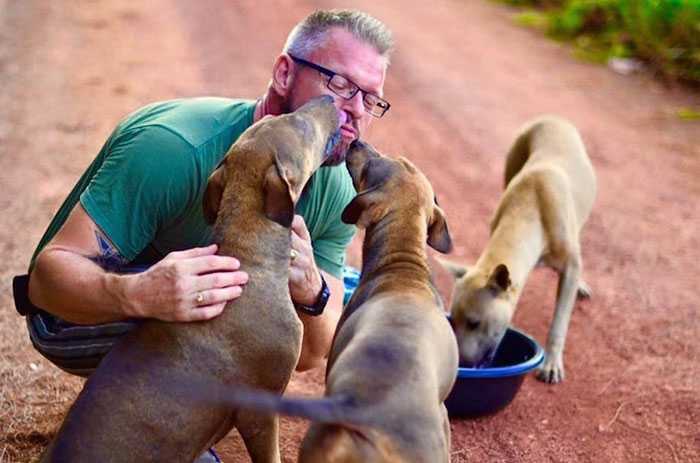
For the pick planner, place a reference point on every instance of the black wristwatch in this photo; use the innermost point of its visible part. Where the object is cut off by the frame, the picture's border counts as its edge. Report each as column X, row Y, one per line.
column 316, row 309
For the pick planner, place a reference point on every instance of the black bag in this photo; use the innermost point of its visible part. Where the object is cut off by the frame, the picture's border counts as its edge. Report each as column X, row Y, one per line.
column 20, row 291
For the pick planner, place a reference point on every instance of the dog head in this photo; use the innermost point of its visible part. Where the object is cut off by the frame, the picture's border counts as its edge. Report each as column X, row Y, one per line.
column 386, row 185
column 286, row 150
column 346, row 443
column 481, row 311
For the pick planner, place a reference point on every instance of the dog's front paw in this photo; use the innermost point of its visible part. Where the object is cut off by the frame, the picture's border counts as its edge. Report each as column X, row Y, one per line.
column 584, row 291
column 552, row 371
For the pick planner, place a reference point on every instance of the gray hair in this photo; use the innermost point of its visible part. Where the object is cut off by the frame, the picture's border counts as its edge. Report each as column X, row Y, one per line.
column 310, row 33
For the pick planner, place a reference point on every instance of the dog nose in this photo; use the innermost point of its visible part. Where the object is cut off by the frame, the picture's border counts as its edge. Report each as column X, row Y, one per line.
column 357, row 144
column 326, row 99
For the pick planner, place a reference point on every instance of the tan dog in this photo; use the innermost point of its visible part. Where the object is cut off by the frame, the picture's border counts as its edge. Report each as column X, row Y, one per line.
column 131, row 409
column 394, row 356
column 550, row 189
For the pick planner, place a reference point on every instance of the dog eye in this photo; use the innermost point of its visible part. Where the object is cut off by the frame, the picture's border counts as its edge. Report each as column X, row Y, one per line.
column 473, row 324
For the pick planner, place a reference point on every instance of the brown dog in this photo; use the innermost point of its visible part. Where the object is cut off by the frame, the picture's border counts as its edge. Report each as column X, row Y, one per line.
column 394, row 356
column 550, row 189
column 130, row 409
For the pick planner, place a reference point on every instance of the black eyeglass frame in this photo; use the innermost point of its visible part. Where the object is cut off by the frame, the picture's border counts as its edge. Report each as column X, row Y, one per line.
column 330, row 74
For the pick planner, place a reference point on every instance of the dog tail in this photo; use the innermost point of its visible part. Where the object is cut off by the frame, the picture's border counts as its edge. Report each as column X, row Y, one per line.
column 517, row 156
column 332, row 409
column 335, row 409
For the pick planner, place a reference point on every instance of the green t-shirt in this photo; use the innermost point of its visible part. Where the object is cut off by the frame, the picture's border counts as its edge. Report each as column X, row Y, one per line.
column 144, row 189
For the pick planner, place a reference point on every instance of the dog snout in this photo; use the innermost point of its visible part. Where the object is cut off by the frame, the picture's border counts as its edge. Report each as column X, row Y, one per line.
column 323, row 109
column 354, row 158
column 357, row 145
column 360, row 151
column 475, row 354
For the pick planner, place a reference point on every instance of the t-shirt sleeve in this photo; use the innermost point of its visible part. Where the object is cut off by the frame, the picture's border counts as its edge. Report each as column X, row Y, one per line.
column 147, row 179
column 330, row 192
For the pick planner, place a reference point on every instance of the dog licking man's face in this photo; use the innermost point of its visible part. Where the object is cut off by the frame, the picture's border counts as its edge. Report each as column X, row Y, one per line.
column 378, row 179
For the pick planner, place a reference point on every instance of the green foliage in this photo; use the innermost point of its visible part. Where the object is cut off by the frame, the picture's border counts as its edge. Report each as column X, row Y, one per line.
column 534, row 19
column 537, row 3
column 688, row 114
column 665, row 33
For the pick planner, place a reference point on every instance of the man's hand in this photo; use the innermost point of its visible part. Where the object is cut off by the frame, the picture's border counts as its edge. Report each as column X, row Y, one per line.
column 185, row 286
column 304, row 276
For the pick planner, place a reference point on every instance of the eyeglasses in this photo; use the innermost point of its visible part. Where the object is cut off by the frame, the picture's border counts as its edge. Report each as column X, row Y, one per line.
column 346, row 88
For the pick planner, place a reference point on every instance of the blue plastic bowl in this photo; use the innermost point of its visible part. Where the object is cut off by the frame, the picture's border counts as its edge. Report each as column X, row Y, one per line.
column 484, row 391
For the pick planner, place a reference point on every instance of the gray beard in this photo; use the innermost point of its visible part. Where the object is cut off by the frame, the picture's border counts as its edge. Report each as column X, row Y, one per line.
column 337, row 156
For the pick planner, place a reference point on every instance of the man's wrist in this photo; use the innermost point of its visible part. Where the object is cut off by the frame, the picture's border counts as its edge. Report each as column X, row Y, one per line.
column 313, row 288
column 320, row 300
column 119, row 288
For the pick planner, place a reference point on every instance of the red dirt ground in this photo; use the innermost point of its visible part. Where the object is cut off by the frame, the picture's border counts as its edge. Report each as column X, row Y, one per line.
column 463, row 79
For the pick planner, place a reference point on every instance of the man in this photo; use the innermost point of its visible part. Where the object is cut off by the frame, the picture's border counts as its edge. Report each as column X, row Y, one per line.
column 138, row 206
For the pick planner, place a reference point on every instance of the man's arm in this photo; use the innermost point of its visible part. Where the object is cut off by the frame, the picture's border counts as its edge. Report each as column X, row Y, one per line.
column 319, row 330
column 67, row 281
column 305, row 286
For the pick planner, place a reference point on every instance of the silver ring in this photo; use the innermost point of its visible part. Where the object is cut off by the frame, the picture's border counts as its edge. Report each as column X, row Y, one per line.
column 293, row 254
column 199, row 298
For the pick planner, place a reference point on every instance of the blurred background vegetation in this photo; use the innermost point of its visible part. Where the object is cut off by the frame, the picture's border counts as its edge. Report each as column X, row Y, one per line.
column 664, row 34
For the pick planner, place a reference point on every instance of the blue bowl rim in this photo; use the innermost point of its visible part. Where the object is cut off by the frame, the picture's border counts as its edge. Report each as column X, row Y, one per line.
column 510, row 370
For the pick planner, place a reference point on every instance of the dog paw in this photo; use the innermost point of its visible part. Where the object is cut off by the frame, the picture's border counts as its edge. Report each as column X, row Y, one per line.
column 584, row 291
column 551, row 372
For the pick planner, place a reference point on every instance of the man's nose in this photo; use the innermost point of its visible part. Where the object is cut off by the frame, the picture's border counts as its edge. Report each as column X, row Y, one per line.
column 355, row 106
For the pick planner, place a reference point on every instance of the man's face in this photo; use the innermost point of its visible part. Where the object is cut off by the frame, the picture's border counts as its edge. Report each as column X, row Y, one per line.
column 345, row 55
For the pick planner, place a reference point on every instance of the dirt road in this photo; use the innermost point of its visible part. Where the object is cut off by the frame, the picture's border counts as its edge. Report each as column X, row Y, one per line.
column 463, row 79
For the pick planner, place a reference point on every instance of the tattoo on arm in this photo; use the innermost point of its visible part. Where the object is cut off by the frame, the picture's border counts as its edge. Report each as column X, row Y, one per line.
column 108, row 257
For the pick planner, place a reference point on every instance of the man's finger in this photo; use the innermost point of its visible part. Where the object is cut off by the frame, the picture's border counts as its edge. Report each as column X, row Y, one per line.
column 297, row 242
column 222, row 295
column 207, row 264
column 195, row 252
column 217, row 296
column 220, row 280
column 299, row 227
column 206, row 312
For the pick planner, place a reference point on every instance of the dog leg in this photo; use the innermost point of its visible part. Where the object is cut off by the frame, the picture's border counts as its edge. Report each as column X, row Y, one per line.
column 261, row 437
column 447, row 431
column 552, row 371
column 584, row 291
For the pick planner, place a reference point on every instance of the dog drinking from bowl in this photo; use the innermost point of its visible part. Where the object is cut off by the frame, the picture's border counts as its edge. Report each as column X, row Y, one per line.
column 550, row 190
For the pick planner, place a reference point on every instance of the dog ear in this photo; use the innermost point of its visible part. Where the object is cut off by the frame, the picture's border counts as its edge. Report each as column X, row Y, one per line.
column 212, row 195
column 455, row 269
column 438, row 234
column 360, row 204
column 279, row 204
column 499, row 280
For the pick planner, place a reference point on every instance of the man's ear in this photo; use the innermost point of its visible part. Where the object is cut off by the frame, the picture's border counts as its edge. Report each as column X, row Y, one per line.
column 279, row 204
column 282, row 75
column 212, row 195
column 499, row 280
column 438, row 234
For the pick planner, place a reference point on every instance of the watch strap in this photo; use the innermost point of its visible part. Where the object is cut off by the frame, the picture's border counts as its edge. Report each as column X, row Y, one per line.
column 317, row 308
